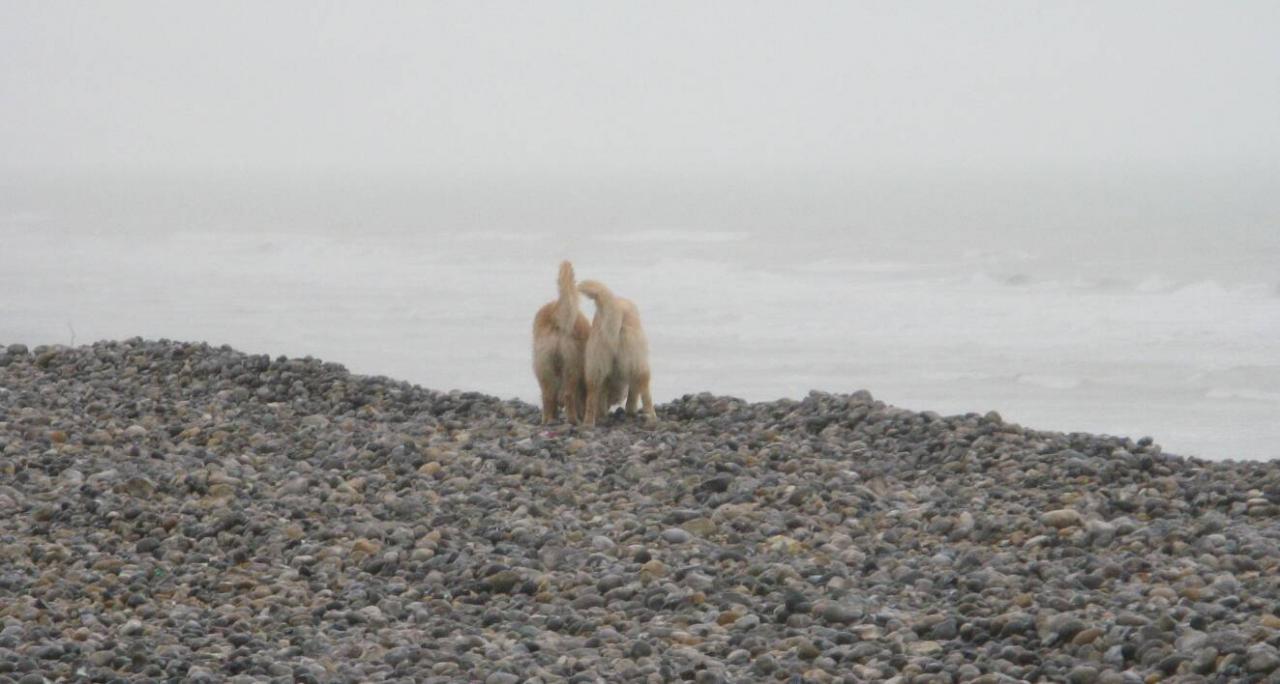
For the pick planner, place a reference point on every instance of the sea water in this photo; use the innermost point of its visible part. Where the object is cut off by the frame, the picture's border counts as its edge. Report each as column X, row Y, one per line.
column 1154, row 312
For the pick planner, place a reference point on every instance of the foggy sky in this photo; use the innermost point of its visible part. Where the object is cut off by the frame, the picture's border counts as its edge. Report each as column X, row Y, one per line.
column 574, row 89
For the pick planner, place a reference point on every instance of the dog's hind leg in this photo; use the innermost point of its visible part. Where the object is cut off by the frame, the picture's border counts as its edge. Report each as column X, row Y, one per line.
column 574, row 393
column 633, row 393
column 603, row 403
column 550, row 403
column 643, row 382
column 573, row 401
column 592, row 407
column 566, row 400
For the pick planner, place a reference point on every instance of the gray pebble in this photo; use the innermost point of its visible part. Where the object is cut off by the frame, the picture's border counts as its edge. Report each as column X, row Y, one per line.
column 1262, row 658
column 675, row 535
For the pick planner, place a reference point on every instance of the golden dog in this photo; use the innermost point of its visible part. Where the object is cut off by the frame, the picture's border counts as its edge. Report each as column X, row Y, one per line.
column 617, row 357
column 560, row 334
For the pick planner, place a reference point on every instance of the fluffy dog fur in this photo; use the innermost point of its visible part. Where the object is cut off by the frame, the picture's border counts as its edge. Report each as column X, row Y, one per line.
column 560, row 334
column 617, row 358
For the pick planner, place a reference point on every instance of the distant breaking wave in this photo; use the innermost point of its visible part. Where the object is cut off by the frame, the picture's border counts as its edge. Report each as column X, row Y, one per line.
column 1152, row 285
column 500, row 236
column 676, row 236
column 1247, row 394
column 1049, row 381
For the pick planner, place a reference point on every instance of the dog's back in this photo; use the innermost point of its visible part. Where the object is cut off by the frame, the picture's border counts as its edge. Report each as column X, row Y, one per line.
column 559, row 326
column 633, row 346
column 560, row 334
column 553, row 344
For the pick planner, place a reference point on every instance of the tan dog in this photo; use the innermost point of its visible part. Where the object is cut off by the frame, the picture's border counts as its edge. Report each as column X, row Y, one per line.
column 560, row 334
column 617, row 358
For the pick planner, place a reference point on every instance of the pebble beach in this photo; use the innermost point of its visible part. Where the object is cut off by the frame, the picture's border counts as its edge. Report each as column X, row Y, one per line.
column 188, row 512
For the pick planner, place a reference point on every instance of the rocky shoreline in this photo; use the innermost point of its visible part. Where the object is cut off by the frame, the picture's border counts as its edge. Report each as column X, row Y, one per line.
column 183, row 511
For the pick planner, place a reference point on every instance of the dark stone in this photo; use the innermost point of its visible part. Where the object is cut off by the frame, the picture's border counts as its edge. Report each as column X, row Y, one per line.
column 640, row 649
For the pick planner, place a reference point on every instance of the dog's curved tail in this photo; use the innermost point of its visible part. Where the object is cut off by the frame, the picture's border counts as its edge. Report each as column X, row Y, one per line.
column 567, row 304
column 608, row 314
column 597, row 291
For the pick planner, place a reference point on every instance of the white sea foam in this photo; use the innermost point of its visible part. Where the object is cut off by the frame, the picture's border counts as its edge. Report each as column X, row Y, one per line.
column 501, row 236
column 676, row 236
column 22, row 219
column 851, row 266
column 1156, row 285
column 1053, row 382
column 1246, row 393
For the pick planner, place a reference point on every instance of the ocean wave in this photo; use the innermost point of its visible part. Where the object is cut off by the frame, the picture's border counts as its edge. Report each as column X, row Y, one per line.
column 23, row 219
column 838, row 266
column 974, row 254
column 1246, row 393
column 956, row 376
column 1249, row 375
column 676, row 236
column 1154, row 285
column 1057, row 382
column 499, row 236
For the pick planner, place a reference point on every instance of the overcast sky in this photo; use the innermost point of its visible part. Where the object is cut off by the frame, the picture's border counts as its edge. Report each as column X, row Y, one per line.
column 556, row 88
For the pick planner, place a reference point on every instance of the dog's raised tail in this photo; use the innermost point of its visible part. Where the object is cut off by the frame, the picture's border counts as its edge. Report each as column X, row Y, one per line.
column 597, row 291
column 567, row 305
column 608, row 316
